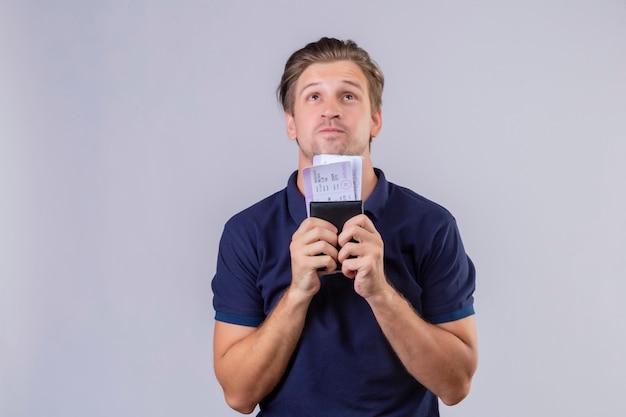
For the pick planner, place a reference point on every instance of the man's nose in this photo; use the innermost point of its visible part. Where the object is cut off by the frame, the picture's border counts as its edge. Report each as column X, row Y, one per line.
column 332, row 109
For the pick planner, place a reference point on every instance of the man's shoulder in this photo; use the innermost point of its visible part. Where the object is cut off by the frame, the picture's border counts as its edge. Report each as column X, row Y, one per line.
column 413, row 202
column 262, row 209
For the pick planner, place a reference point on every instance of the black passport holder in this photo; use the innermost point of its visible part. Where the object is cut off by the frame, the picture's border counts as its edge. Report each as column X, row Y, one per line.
column 336, row 212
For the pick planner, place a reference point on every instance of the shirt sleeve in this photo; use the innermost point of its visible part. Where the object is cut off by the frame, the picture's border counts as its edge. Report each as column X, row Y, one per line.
column 450, row 278
column 236, row 298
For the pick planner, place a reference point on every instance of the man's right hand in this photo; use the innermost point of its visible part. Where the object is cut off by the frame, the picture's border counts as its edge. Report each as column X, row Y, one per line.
column 313, row 252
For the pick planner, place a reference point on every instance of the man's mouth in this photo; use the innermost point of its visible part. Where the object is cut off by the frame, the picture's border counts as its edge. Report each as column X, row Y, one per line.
column 331, row 129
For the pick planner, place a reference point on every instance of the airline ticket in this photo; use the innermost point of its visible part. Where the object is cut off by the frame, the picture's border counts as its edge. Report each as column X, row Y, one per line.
column 329, row 182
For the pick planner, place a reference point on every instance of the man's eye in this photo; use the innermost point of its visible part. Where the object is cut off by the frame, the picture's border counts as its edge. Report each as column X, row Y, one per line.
column 314, row 97
column 349, row 97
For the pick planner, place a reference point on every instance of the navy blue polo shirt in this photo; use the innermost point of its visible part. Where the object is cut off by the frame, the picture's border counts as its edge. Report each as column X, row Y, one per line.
column 343, row 365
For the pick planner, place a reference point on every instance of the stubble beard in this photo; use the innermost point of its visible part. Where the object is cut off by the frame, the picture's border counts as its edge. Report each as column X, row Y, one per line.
column 338, row 148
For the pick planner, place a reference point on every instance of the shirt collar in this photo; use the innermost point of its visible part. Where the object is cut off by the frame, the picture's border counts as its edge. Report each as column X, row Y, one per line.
column 376, row 202
column 374, row 205
column 295, row 199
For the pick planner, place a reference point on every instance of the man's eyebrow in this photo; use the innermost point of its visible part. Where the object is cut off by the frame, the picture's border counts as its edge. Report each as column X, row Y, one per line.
column 309, row 85
column 354, row 84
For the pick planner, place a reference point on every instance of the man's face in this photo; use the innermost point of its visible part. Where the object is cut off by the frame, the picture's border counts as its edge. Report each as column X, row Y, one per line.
column 332, row 111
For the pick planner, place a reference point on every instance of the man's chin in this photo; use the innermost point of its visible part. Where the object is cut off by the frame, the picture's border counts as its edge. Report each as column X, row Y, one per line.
column 331, row 149
column 336, row 151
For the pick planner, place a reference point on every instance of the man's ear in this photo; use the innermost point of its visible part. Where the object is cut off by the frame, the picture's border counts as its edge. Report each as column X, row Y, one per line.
column 291, row 126
column 377, row 123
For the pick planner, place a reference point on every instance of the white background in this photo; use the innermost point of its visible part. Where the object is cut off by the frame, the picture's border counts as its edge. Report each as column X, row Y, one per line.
column 130, row 131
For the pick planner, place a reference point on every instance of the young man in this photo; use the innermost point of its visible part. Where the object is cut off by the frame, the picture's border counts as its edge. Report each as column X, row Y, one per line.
column 388, row 334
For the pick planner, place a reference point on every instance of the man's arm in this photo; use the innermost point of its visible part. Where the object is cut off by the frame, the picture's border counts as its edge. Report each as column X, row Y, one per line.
column 442, row 357
column 249, row 362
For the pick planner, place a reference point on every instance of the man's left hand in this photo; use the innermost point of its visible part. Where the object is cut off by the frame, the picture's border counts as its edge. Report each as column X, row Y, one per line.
column 361, row 256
